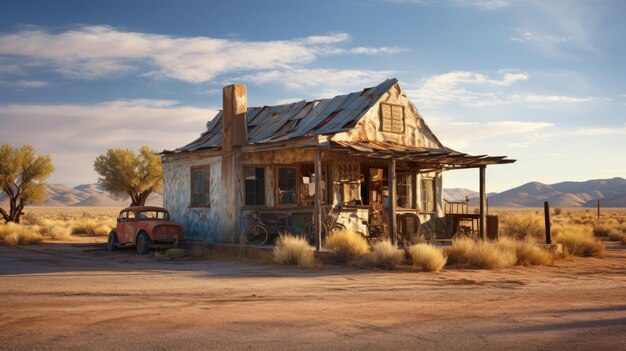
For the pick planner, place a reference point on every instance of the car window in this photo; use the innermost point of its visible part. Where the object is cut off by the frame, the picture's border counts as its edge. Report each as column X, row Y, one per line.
column 153, row 215
column 131, row 215
column 123, row 216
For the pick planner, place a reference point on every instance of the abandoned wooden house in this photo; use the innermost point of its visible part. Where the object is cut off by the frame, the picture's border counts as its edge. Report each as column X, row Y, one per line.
column 326, row 162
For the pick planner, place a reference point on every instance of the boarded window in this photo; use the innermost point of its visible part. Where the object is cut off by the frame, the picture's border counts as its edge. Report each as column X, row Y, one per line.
column 405, row 190
column 391, row 118
column 427, row 195
column 287, row 186
column 200, row 186
column 255, row 186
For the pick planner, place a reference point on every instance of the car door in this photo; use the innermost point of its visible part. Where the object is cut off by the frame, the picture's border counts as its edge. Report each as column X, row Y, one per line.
column 131, row 226
column 120, row 228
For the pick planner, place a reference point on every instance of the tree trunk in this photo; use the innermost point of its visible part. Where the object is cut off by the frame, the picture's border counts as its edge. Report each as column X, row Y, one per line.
column 140, row 198
column 15, row 211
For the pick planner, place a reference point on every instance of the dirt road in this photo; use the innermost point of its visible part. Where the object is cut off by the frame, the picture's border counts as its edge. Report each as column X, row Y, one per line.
column 63, row 297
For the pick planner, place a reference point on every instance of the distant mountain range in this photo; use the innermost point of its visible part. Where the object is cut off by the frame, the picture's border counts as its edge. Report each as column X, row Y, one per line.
column 93, row 195
column 611, row 192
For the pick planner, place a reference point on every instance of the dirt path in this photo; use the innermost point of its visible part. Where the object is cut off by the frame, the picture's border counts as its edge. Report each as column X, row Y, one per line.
column 63, row 297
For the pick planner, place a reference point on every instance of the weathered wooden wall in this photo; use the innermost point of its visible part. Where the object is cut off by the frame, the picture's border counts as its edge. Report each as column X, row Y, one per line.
column 199, row 223
column 416, row 133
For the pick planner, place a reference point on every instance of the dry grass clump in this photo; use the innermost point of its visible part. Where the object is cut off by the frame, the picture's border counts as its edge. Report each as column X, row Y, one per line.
column 427, row 257
column 483, row 254
column 522, row 226
column 15, row 234
column 578, row 240
column 504, row 253
column 383, row 254
column 527, row 253
column 293, row 250
column 346, row 245
column 89, row 226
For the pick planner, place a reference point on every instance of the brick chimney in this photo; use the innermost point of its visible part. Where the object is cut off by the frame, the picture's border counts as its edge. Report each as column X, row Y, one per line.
column 235, row 130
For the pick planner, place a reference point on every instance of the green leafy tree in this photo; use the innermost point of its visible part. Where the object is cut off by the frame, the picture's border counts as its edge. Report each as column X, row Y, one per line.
column 22, row 178
column 124, row 172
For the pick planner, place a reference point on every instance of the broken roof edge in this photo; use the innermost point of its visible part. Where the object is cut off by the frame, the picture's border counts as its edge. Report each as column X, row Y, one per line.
column 310, row 118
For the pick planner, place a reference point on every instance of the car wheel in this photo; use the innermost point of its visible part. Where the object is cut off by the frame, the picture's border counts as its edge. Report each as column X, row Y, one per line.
column 112, row 241
column 143, row 243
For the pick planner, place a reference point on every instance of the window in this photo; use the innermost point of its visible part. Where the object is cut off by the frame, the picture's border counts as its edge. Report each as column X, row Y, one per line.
column 405, row 190
column 307, row 185
column 254, row 186
column 200, row 186
column 428, row 194
column 287, row 186
column 391, row 118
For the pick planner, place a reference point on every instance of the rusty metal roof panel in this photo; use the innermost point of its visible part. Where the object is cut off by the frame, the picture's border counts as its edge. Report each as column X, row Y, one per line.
column 289, row 121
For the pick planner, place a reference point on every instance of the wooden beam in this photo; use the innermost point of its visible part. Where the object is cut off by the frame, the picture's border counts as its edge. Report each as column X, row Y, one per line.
column 546, row 214
column 318, row 200
column 392, row 199
column 483, row 204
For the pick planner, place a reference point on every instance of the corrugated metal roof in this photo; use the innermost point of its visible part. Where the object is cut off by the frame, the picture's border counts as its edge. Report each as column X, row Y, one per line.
column 299, row 119
column 429, row 157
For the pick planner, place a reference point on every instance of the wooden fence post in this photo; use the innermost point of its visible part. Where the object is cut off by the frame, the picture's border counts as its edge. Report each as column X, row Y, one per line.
column 598, row 209
column 546, row 212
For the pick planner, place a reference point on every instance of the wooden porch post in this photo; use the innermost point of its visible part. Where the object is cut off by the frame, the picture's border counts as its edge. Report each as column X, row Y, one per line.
column 392, row 200
column 318, row 200
column 482, row 225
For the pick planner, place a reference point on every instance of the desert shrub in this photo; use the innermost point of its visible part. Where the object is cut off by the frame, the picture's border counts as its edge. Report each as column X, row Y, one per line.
column 90, row 226
column 16, row 234
column 427, row 257
column 482, row 254
column 615, row 235
column 578, row 241
column 102, row 230
column 291, row 249
column 58, row 232
column 557, row 211
column 522, row 226
column 527, row 253
column 601, row 230
column 383, row 254
column 346, row 245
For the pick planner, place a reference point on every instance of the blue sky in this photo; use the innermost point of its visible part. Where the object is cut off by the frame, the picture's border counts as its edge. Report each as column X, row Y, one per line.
column 540, row 81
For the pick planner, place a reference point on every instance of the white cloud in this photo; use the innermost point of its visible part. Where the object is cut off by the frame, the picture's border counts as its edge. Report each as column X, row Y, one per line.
column 25, row 84
column 99, row 51
column 600, row 131
column 477, row 89
column 539, row 38
column 463, row 87
column 81, row 132
column 341, row 81
column 287, row 101
column 482, row 4
column 463, row 134
column 477, row 4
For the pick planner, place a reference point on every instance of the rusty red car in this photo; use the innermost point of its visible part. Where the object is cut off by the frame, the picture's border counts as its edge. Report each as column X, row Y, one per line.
column 146, row 227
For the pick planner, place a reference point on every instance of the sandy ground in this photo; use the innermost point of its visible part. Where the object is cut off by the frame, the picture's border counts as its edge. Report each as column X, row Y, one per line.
column 74, row 296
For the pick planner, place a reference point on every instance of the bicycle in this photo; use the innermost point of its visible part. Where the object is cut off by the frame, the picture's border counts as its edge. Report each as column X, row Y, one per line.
column 257, row 232
column 329, row 225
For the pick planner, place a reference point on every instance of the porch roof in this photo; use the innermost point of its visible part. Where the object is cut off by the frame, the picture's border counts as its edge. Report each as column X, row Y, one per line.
column 425, row 157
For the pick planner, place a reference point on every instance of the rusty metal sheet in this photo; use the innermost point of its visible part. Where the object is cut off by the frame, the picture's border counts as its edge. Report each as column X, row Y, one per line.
column 298, row 119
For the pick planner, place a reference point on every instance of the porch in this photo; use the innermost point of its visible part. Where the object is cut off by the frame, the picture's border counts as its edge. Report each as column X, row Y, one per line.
column 356, row 182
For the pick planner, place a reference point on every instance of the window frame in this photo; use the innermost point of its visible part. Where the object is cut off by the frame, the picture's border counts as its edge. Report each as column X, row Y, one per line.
column 382, row 124
column 412, row 188
column 244, row 205
column 277, row 188
column 192, row 186
column 423, row 202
